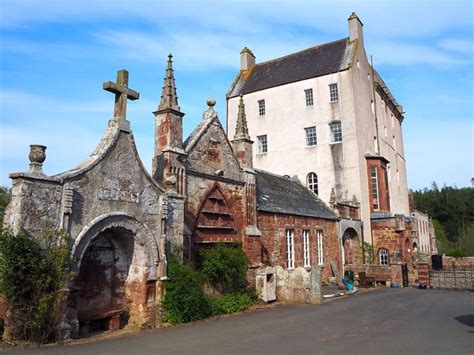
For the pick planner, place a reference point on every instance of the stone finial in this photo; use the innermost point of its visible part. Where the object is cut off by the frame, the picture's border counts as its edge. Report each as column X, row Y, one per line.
column 169, row 99
column 37, row 156
column 210, row 112
column 211, row 102
column 241, row 129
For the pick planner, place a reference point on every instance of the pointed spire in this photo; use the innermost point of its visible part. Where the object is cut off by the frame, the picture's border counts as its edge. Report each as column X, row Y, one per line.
column 169, row 99
column 241, row 129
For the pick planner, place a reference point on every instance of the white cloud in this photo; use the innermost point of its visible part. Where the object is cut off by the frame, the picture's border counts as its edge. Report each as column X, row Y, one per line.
column 396, row 53
column 457, row 45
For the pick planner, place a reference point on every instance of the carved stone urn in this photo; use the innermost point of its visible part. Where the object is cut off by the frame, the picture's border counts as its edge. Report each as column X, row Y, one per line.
column 37, row 153
column 37, row 156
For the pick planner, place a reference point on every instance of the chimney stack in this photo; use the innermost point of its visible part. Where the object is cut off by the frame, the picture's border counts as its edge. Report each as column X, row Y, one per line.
column 355, row 29
column 247, row 59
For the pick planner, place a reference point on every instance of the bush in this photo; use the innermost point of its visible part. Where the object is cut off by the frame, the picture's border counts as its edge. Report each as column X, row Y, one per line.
column 33, row 271
column 226, row 268
column 230, row 303
column 184, row 298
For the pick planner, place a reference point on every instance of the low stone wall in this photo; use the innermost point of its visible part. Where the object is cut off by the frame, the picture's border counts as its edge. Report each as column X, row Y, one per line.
column 299, row 285
column 450, row 262
column 380, row 272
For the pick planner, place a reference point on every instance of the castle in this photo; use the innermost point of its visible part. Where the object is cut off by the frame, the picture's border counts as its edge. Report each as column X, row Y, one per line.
column 207, row 189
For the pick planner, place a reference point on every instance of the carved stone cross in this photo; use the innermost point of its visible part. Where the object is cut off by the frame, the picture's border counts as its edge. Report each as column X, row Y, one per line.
column 122, row 93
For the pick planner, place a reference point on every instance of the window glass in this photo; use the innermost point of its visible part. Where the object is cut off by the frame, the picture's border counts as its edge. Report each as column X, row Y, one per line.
column 311, row 138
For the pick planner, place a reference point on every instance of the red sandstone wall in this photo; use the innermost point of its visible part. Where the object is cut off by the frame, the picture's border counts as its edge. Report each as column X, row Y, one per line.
column 273, row 228
column 385, row 235
column 450, row 262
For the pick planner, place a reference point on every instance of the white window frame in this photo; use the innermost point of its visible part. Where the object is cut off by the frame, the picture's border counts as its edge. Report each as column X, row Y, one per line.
column 262, row 144
column 383, row 256
column 306, row 255
column 311, row 136
column 261, row 108
column 312, row 182
column 308, row 94
column 290, row 248
column 374, row 184
column 319, row 241
column 335, row 130
column 333, row 92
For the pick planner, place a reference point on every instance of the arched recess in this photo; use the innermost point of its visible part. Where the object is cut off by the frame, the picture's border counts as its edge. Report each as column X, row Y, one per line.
column 147, row 248
column 115, row 259
column 351, row 247
column 215, row 222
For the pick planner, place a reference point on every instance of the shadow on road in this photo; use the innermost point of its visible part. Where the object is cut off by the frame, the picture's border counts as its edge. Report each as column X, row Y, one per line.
column 466, row 319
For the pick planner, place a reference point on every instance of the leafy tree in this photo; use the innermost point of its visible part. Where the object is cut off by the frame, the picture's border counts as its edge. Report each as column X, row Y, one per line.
column 453, row 208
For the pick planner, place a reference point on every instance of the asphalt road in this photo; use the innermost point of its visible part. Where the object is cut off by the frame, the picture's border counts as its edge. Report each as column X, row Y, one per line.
column 385, row 321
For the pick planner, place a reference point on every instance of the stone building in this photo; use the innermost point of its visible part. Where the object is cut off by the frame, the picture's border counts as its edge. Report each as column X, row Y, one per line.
column 227, row 201
column 325, row 115
column 204, row 190
column 122, row 222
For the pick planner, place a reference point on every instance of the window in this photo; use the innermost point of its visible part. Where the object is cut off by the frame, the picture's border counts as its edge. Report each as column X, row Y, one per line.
column 312, row 182
column 262, row 144
column 375, row 187
column 333, row 94
column 261, row 107
column 319, row 239
column 383, row 257
column 306, row 248
column 290, row 249
column 394, row 142
column 309, row 97
column 336, row 132
column 311, row 136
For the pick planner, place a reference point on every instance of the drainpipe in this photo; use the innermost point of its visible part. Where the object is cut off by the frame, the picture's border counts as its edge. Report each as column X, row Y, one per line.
column 342, row 248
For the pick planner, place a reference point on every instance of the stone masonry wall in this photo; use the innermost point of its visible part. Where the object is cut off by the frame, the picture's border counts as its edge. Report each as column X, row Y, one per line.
column 273, row 228
column 386, row 235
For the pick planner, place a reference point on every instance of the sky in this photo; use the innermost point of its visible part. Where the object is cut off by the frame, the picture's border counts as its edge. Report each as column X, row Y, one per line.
column 55, row 55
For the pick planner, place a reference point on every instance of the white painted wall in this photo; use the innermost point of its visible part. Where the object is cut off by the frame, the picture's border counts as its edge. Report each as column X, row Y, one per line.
column 425, row 233
column 287, row 115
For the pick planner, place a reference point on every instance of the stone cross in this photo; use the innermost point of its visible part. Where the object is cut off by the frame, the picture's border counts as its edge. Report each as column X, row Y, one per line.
column 122, row 93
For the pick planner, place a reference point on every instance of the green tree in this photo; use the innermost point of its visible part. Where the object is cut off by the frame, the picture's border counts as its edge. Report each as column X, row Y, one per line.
column 5, row 196
column 453, row 208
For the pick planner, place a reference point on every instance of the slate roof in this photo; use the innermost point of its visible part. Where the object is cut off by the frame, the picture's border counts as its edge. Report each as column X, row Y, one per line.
column 282, row 195
column 310, row 63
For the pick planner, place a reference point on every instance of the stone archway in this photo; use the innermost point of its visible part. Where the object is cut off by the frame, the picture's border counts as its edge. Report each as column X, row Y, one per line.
column 101, row 281
column 351, row 247
column 115, row 260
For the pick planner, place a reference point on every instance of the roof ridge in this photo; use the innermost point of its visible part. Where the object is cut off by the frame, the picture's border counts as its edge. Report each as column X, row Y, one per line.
column 301, row 51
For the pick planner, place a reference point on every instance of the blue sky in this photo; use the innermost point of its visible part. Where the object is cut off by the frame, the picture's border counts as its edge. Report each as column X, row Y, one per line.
column 54, row 56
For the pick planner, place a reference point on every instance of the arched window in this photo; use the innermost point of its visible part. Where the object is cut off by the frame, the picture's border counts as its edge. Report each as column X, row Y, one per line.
column 383, row 257
column 312, row 182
